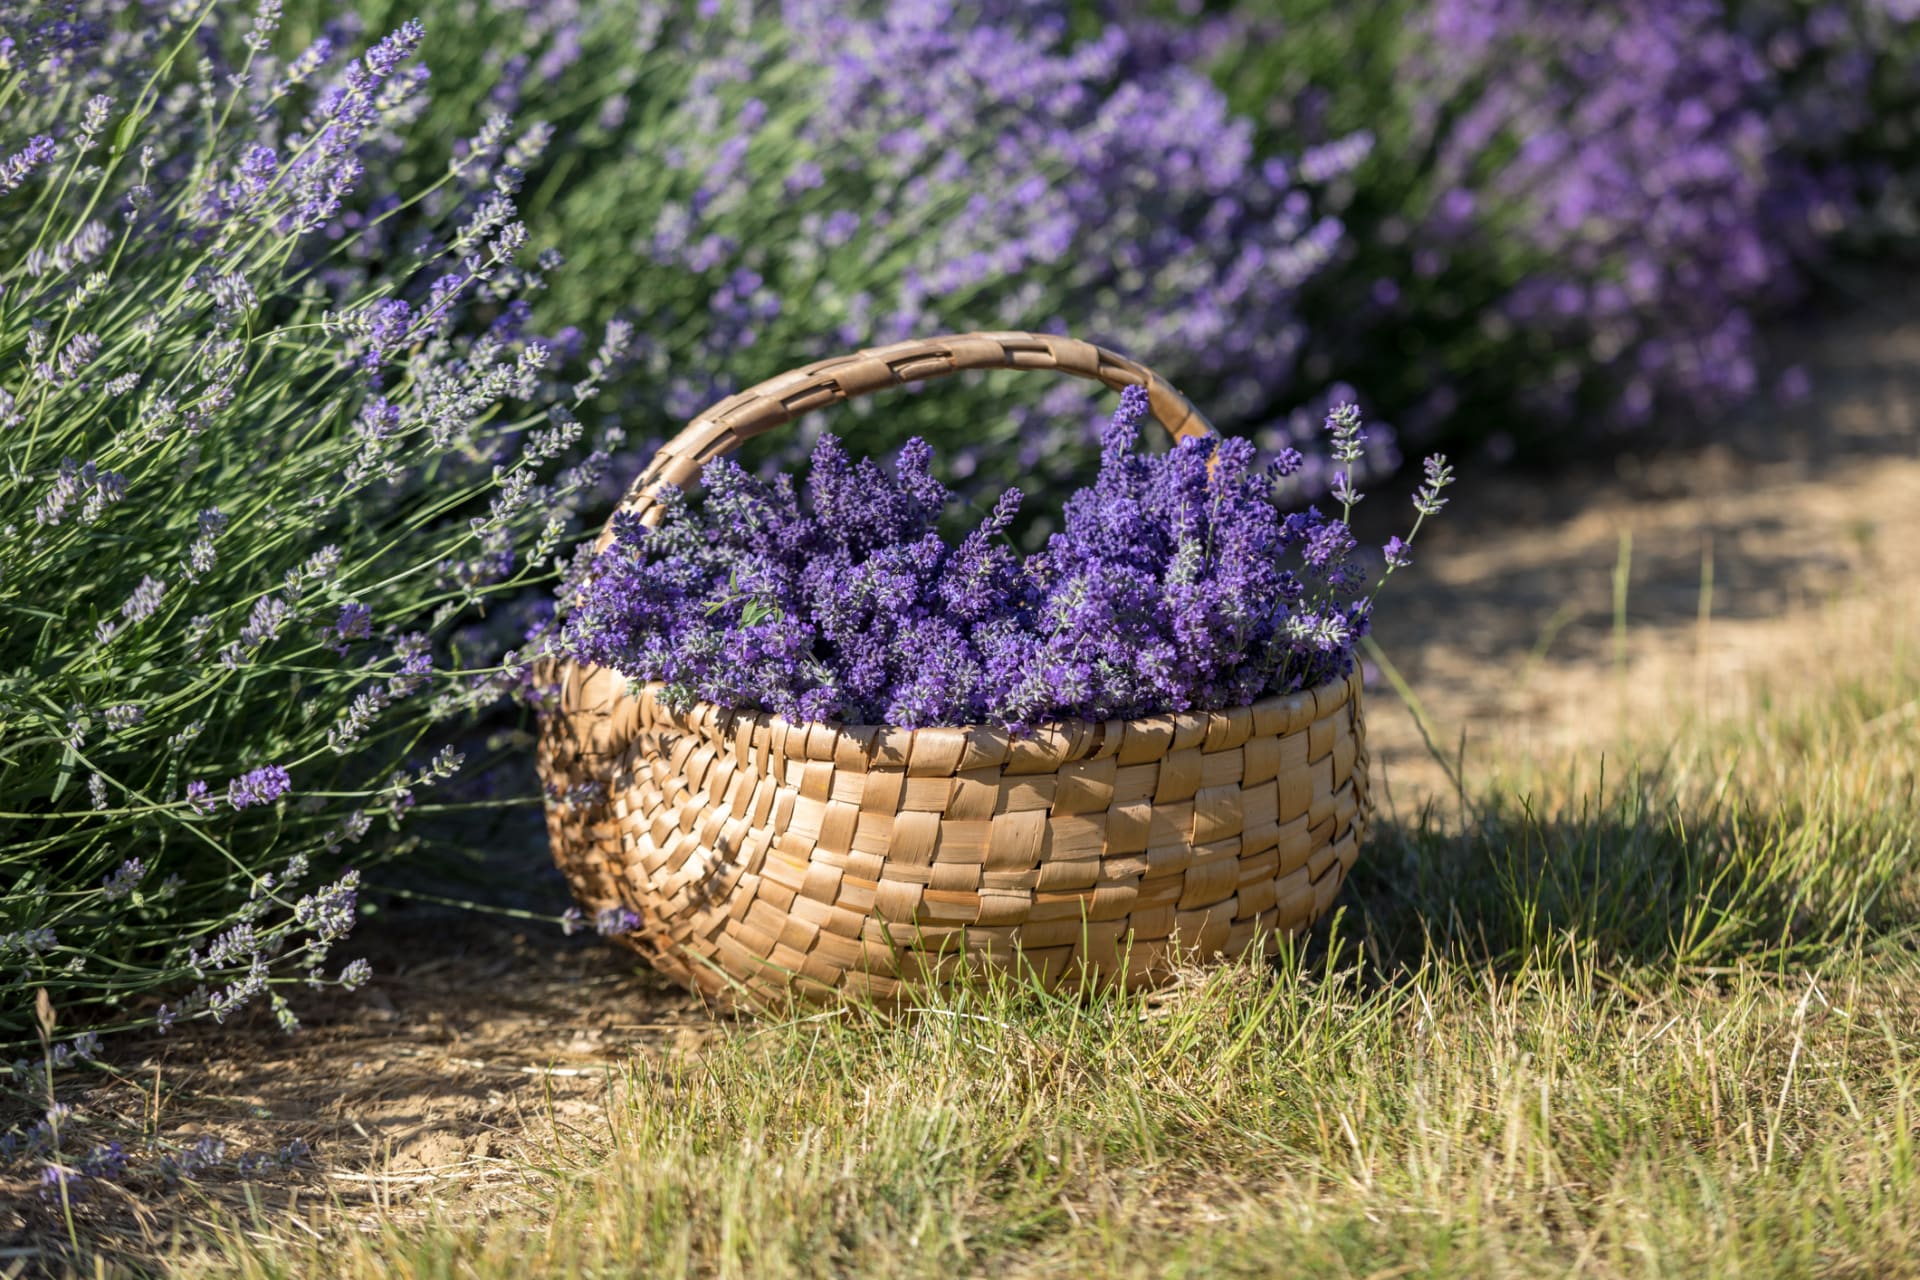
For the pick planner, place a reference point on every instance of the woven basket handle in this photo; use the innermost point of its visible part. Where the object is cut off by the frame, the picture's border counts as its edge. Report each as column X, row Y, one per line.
column 779, row 400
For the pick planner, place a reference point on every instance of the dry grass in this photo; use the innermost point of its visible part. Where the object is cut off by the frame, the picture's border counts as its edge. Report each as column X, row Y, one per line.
column 1668, row 1028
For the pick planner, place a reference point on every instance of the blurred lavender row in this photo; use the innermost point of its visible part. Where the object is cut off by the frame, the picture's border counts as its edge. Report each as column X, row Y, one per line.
column 1517, row 218
column 1512, row 220
column 1577, row 218
column 761, row 188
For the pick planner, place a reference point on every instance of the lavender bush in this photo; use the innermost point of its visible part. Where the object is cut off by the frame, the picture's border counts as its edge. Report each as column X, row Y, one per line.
column 757, row 186
column 1521, row 219
column 1632, row 152
column 1577, row 215
column 1176, row 584
column 264, row 453
column 1848, row 105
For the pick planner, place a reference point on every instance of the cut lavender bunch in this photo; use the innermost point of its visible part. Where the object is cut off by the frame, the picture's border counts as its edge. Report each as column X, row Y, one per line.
column 1176, row 583
column 834, row 724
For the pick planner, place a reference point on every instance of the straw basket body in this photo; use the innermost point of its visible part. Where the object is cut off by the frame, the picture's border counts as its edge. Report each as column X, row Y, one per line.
column 768, row 860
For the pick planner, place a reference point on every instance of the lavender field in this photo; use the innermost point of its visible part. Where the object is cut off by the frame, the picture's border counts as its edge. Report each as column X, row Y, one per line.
column 330, row 335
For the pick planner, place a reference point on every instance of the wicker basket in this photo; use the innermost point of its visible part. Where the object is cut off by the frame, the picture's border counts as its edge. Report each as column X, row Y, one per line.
column 768, row 860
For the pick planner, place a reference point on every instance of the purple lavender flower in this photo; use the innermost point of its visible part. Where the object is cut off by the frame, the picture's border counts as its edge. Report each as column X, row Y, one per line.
column 331, row 912
column 107, row 1163
column 1176, row 583
column 269, row 614
column 415, row 653
column 197, row 798
column 354, row 622
column 613, row 921
column 18, row 167
column 27, row 942
column 85, row 483
column 124, row 881
column 59, row 1183
column 258, row 786
column 351, row 829
column 145, row 599
column 1437, row 475
column 190, row 1163
column 236, row 944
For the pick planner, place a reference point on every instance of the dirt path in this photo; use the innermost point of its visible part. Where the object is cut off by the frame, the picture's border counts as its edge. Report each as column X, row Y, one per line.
column 479, row 1042
column 476, row 1047
column 1748, row 562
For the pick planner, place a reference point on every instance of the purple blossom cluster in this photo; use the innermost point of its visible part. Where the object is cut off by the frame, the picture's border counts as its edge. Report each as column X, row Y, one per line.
column 258, row 786
column 1176, row 583
column 62, row 1153
column 1643, row 174
column 1580, row 217
column 1182, row 244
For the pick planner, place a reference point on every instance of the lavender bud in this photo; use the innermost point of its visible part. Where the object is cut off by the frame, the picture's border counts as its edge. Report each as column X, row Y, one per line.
column 197, row 798
column 259, row 786
column 145, row 599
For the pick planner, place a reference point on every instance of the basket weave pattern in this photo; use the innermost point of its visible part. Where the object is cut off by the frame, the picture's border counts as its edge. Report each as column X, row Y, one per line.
column 768, row 860
column 851, row 858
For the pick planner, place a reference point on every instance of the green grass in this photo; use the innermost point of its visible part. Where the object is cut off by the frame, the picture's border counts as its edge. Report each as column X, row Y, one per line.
column 1665, row 1026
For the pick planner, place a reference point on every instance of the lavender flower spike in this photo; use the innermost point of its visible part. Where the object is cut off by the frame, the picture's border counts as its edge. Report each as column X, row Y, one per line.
column 259, row 786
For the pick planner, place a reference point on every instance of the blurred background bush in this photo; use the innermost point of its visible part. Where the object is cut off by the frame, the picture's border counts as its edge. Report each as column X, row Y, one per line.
column 1512, row 224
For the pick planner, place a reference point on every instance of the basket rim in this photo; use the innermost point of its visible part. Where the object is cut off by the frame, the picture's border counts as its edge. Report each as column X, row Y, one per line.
column 958, row 748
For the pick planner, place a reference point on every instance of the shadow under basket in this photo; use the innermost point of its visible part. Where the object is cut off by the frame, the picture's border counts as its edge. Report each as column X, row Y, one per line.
column 769, row 861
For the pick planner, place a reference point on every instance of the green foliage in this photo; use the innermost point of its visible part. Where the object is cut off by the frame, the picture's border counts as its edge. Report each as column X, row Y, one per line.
column 253, row 487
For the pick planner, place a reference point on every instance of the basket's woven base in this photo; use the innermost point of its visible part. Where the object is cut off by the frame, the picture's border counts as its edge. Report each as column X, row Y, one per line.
column 770, row 861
